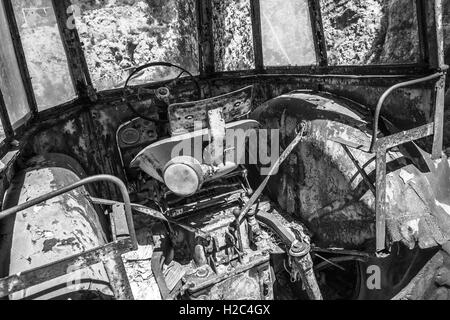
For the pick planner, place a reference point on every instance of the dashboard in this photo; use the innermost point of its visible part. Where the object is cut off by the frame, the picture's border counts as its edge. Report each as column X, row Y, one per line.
column 138, row 132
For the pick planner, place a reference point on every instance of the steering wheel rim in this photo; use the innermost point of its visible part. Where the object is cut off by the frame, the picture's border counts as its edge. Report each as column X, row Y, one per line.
column 150, row 65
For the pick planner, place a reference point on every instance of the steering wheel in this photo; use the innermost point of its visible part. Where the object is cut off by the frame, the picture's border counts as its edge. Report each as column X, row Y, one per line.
column 162, row 93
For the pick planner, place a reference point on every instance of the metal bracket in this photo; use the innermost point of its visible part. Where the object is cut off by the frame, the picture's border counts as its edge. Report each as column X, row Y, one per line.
column 381, row 146
column 441, row 75
column 299, row 255
column 303, row 269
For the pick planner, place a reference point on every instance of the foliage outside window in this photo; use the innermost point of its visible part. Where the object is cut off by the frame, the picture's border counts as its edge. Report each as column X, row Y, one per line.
column 233, row 36
column 119, row 35
column 11, row 84
column 371, row 32
column 287, row 33
column 44, row 52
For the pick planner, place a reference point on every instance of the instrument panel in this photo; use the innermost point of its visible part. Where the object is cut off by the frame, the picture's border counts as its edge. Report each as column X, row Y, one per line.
column 136, row 133
column 133, row 136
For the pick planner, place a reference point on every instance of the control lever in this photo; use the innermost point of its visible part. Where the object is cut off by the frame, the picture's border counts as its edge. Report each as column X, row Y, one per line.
column 154, row 214
column 300, row 135
column 303, row 269
column 299, row 256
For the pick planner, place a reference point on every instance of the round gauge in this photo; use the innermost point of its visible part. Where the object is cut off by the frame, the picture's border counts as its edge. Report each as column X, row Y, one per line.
column 163, row 93
column 130, row 136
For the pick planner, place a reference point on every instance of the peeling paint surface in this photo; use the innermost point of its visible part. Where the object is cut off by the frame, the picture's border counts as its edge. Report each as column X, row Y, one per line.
column 61, row 227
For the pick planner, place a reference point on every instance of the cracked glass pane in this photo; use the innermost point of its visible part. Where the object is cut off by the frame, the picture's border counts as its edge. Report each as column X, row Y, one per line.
column 44, row 52
column 287, row 33
column 120, row 35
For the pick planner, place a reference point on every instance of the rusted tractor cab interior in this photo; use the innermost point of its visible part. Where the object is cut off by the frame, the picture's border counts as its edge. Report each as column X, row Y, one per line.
column 234, row 151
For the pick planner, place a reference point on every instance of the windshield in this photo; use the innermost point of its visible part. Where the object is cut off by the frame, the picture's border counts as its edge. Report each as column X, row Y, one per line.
column 118, row 36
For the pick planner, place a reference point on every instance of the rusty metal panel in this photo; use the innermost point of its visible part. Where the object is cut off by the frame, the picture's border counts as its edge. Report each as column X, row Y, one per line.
column 74, row 50
column 257, row 36
column 46, row 233
column 235, row 105
column 405, row 137
column 318, row 32
column 73, row 135
column 381, row 206
column 206, row 38
column 439, row 118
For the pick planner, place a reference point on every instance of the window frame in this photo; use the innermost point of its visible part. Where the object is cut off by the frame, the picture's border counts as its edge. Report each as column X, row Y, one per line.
column 76, row 60
column 8, row 128
column 76, row 64
column 207, row 69
column 323, row 66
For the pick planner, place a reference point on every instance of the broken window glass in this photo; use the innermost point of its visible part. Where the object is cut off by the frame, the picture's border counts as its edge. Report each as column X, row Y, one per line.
column 233, row 35
column 120, row 35
column 371, row 32
column 287, row 33
column 11, row 84
column 44, row 52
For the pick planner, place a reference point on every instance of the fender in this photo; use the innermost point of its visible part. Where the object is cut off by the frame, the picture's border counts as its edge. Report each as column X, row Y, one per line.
column 325, row 189
column 59, row 228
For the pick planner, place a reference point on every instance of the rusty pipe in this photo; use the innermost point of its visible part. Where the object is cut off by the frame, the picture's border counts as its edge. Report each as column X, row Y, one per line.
column 389, row 92
column 119, row 183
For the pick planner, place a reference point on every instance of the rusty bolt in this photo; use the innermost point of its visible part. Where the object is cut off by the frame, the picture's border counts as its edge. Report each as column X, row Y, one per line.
column 299, row 249
column 202, row 273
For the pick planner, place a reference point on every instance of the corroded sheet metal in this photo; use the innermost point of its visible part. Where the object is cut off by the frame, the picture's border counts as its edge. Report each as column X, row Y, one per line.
column 59, row 228
column 321, row 184
column 235, row 106
column 217, row 136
